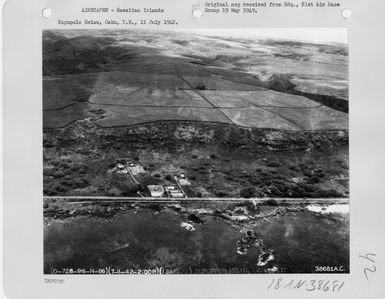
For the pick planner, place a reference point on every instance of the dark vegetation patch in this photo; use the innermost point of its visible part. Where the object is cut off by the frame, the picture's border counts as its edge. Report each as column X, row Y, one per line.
column 248, row 192
column 194, row 218
column 181, row 42
column 270, row 202
column 293, row 56
column 198, row 62
column 229, row 58
column 282, row 83
column 336, row 50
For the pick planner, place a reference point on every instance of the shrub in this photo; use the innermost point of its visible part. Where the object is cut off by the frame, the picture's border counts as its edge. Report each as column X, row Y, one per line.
column 314, row 180
column 259, row 194
column 64, row 165
column 155, row 207
column 149, row 180
column 274, row 190
column 50, row 192
column 307, row 187
column 48, row 172
column 220, row 193
column 131, row 190
column 76, row 167
column 67, row 182
column 273, row 164
column 326, row 193
column 281, row 83
column 265, row 175
column 271, row 202
column 59, row 188
column 80, row 183
column 300, row 192
column 251, row 206
column 293, row 167
column 248, row 192
column 254, row 180
column 244, row 174
column 194, row 218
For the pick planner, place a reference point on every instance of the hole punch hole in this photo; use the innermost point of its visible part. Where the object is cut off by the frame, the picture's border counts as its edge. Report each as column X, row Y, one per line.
column 46, row 12
column 197, row 13
column 346, row 13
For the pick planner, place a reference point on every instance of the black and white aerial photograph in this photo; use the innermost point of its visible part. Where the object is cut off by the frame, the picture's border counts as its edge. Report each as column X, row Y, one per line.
column 195, row 151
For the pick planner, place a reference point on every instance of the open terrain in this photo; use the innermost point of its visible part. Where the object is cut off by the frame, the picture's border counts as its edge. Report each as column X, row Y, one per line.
column 237, row 117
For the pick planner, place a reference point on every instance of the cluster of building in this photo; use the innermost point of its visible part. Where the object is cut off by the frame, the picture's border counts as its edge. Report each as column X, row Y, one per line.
column 126, row 167
column 171, row 190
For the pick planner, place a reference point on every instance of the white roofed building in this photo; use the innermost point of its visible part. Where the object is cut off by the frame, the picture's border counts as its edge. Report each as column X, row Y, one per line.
column 156, row 190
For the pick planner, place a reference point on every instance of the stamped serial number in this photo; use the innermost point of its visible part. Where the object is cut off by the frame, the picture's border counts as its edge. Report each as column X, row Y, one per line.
column 329, row 269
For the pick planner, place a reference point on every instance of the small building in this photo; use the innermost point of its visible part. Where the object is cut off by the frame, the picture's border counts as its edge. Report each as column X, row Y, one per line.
column 135, row 169
column 121, row 168
column 156, row 190
column 176, row 194
column 184, row 182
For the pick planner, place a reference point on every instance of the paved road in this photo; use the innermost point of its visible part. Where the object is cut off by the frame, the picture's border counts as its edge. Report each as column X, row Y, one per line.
column 91, row 199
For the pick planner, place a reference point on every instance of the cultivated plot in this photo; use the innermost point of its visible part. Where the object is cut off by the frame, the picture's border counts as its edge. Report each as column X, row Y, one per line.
column 63, row 117
column 265, row 98
column 141, row 97
column 117, row 116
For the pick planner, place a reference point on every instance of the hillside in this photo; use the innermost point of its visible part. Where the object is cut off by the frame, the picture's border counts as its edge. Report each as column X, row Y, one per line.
column 240, row 117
